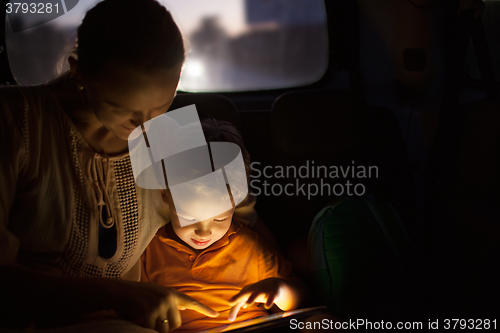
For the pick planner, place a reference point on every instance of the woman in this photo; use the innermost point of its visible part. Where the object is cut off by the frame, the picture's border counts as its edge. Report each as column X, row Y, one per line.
column 69, row 206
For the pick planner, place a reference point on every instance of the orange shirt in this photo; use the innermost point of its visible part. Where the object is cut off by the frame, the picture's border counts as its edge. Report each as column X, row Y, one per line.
column 238, row 259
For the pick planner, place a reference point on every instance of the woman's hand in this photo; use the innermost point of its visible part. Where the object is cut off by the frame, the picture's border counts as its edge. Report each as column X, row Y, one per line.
column 29, row 297
column 149, row 304
column 269, row 291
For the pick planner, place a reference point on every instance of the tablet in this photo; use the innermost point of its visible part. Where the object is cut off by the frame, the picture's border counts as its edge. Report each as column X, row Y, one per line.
column 268, row 322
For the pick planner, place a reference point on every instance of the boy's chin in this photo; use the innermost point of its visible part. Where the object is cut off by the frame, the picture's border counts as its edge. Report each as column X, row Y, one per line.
column 201, row 247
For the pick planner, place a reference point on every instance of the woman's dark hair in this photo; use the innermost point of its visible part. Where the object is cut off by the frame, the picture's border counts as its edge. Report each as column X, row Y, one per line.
column 140, row 34
column 224, row 131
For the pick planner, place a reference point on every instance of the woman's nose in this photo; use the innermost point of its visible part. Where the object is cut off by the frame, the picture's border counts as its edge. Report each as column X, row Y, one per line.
column 140, row 118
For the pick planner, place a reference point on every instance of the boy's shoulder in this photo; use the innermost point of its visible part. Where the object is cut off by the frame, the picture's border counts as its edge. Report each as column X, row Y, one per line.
column 242, row 233
column 241, row 236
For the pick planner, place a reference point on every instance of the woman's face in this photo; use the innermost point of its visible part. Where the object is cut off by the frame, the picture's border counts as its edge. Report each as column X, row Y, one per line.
column 123, row 98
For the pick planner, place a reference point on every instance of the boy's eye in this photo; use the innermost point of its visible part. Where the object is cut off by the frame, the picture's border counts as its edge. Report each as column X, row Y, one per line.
column 220, row 220
column 188, row 220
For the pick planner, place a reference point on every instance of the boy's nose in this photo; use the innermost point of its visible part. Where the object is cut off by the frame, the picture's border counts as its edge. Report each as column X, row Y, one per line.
column 203, row 232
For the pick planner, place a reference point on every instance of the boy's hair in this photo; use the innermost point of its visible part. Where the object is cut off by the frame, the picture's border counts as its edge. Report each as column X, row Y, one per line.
column 216, row 131
column 224, row 131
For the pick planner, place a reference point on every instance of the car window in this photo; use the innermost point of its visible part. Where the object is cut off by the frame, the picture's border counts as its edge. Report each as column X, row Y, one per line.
column 233, row 45
column 36, row 50
column 238, row 45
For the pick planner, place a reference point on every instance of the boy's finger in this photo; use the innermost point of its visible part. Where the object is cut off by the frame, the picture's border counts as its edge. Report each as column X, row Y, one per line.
column 252, row 298
column 238, row 298
column 233, row 299
column 234, row 311
column 270, row 301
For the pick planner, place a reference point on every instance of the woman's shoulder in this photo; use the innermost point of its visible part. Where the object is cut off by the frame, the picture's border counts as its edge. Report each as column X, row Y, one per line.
column 32, row 114
column 34, row 102
column 19, row 91
column 23, row 98
column 13, row 108
column 12, row 97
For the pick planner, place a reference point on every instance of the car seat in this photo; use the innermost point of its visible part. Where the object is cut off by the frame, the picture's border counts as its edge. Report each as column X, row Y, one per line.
column 364, row 263
column 336, row 128
column 209, row 106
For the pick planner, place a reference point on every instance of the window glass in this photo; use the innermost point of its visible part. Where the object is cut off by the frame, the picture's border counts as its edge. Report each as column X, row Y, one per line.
column 240, row 45
column 233, row 45
column 38, row 52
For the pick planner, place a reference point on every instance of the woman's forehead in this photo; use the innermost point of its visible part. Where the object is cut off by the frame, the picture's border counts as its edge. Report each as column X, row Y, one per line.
column 135, row 91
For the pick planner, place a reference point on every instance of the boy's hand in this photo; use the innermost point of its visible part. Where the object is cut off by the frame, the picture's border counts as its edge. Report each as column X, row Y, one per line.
column 267, row 291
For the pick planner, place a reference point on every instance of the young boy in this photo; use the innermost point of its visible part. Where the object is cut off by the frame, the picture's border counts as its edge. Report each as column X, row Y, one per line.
column 219, row 261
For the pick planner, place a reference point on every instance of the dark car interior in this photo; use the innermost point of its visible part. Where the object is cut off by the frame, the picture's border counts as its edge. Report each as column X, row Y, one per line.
column 409, row 86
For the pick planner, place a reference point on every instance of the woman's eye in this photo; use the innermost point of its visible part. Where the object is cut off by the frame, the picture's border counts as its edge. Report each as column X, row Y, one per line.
column 120, row 111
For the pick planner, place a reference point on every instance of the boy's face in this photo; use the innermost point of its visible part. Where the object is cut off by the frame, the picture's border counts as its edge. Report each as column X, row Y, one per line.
column 201, row 235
